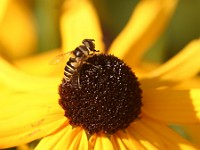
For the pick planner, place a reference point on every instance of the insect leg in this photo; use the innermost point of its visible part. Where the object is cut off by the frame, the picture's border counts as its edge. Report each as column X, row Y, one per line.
column 91, row 64
column 78, row 80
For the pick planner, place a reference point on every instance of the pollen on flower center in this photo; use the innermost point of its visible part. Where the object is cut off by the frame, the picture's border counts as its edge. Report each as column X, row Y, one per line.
column 108, row 99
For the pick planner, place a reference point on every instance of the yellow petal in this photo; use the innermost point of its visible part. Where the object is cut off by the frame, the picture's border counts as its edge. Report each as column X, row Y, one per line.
column 40, row 64
column 26, row 137
column 23, row 147
column 118, row 143
column 14, row 103
column 132, row 133
column 13, row 78
column 103, row 143
column 72, row 140
column 3, row 8
column 28, row 116
column 17, row 30
column 144, row 27
column 188, row 84
column 183, row 66
column 172, row 106
column 135, row 143
column 79, row 21
column 82, row 142
column 193, row 132
column 155, row 83
column 92, row 141
column 172, row 139
column 120, row 140
column 147, row 134
column 52, row 140
column 66, row 138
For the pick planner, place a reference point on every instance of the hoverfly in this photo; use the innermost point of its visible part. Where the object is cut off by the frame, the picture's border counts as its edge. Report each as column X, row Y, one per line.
column 77, row 59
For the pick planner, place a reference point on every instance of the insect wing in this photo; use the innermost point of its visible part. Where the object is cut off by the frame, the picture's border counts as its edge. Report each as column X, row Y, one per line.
column 60, row 58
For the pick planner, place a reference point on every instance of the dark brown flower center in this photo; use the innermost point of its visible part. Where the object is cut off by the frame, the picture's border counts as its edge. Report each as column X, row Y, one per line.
column 107, row 97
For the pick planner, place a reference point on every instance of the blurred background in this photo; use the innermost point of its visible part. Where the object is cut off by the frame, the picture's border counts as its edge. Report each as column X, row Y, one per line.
column 41, row 19
column 183, row 27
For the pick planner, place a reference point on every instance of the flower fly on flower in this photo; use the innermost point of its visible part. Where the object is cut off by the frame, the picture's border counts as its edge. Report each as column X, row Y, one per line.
column 78, row 58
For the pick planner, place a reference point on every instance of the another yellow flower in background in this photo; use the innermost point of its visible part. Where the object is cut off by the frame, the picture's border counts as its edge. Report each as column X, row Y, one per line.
column 29, row 103
column 17, row 29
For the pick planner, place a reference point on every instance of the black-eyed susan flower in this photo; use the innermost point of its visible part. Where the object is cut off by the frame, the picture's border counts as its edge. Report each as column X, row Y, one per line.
column 29, row 102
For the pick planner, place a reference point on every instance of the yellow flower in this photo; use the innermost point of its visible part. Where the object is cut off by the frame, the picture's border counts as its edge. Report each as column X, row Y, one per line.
column 29, row 101
column 17, row 34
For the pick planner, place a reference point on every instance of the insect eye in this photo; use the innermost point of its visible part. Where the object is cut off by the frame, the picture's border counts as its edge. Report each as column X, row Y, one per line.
column 89, row 43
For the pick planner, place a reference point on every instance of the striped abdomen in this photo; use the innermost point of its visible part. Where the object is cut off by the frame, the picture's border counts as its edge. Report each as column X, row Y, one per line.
column 80, row 54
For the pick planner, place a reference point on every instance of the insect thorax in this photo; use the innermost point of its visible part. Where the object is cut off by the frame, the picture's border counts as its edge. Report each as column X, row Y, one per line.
column 81, row 52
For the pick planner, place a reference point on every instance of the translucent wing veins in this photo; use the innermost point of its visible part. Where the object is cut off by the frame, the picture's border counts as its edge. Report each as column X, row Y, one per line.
column 60, row 58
